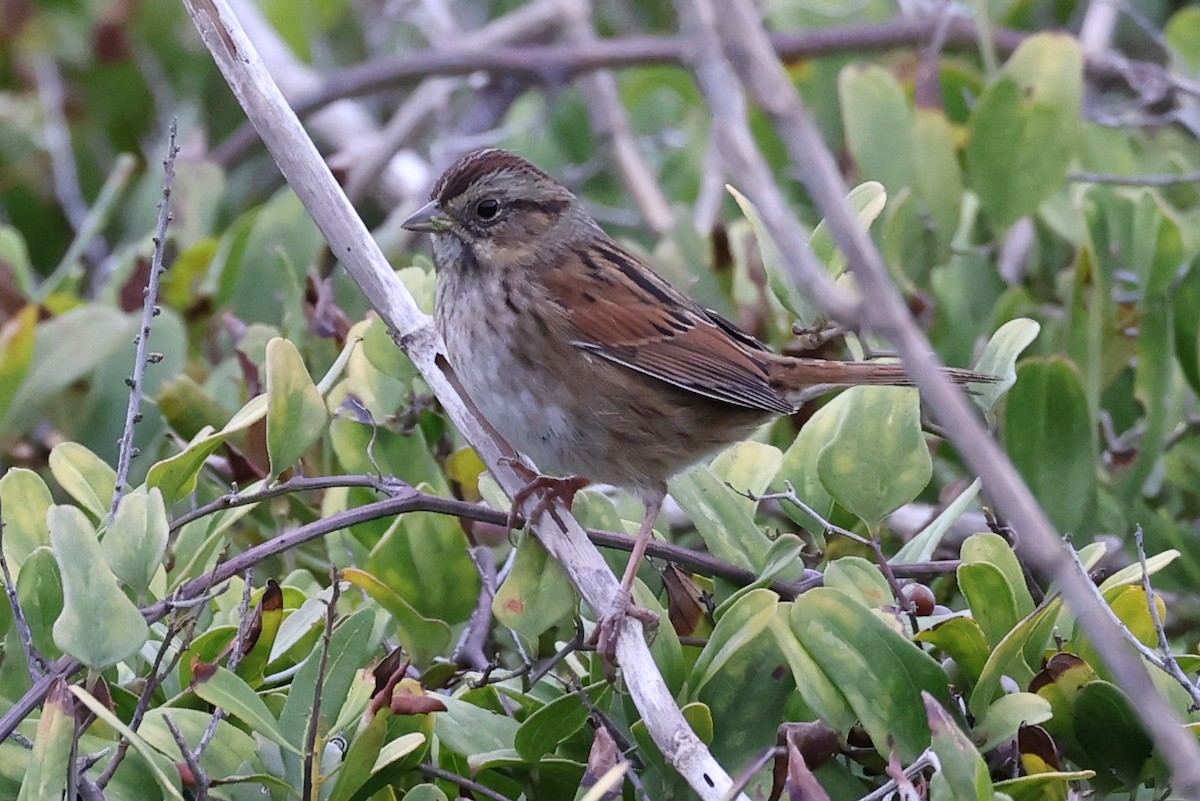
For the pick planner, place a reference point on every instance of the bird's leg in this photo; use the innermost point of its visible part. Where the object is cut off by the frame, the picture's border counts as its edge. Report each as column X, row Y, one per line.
column 622, row 605
column 548, row 489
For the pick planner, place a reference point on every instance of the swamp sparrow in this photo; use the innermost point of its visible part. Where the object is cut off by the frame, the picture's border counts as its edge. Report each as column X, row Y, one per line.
column 583, row 357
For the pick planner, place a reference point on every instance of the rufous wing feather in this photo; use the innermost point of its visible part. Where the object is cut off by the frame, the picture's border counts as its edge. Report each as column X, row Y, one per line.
column 623, row 312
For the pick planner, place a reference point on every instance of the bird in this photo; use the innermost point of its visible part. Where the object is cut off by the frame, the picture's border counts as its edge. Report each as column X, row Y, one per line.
column 585, row 359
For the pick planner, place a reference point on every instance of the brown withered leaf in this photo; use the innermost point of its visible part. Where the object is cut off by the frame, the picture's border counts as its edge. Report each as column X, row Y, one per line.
column 1036, row 742
column 801, row 784
column 601, row 759
column 410, row 698
column 202, row 671
column 387, row 674
column 685, row 602
column 1054, row 668
column 813, row 743
column 325, row 318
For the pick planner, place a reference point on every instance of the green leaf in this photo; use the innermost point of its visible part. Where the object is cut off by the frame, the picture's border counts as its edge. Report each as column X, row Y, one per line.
column 1109, row 731
column 136, row 539
column 176, row 476
column 99, row 625
column 1132, row 574
column 921, row 547
column 799, row 467
column 778, row 278
column 358, row 765
column 227, row 690
column 1008, row 657
column 421, row 637
column 296, row 414
column 868, row 201
column 541, row 732
column 537, row 595
column 816, row 688
column 1049, row 436
column 50, row 762
column 962, row 639
column 963, row 775
column 423, row 558
column 24, row 501
column 467, row 729
column 157, row 763
column 1182, row 34
column 994, row 585
column 1185, row 305
column 743, row 620
column 904, row 149
column 17, row 339
column 880, row 673
column 40, row 593
column 1025, row 128
column 59, row 361
column 347, row 654
column 723, row 518
column 999, row 358
column 84, row 476
column 859, row 579
column 878, row 460
column 1050, row 786
column 748, row 468
column 1005, row 717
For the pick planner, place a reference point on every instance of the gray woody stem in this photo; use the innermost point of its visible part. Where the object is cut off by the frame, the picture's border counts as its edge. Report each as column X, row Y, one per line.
column 351, row 243
column 749, row 50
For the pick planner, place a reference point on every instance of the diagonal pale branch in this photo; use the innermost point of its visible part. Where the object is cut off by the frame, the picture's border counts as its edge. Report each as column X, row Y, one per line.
column 351, row 243
column 749, row 50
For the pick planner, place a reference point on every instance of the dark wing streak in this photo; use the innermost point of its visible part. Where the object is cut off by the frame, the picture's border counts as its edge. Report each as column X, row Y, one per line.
column 743, row 394
column 619, row 309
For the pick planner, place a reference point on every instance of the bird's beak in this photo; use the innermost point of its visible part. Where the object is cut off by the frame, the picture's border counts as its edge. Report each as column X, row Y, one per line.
column 429, row 219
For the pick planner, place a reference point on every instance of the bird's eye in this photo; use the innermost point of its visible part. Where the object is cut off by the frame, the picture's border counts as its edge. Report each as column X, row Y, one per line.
column 487, row 209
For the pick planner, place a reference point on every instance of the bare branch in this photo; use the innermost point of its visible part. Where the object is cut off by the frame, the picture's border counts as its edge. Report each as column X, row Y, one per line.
column 1165, row 660
column 311, row 763
column 35, row 662
column 142, row 355
column 609, row 119
column 1133, row 180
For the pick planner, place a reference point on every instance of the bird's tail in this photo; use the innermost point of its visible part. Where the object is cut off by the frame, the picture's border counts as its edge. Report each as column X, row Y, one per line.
column 801, row 380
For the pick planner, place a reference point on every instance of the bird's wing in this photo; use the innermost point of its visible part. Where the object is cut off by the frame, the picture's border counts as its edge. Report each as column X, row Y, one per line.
column 625, row 313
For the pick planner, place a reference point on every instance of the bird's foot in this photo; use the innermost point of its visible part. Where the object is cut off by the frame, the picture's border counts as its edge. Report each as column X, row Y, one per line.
column 609, row 628
column 548, row 489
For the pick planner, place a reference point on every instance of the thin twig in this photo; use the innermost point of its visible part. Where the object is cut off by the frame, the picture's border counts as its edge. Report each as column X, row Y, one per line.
column 469, row 650
column 235, row 656
column 153, row 681
column 727, row 102
column 742, row 780
column 311, row 764
column 517, row 27
column 1133, row 180
column 203, row 782
column 97, row 217
column 609, row 119
column 919, row 764
column 1167, row 662
column 434, row 772
column 388, row 485
column 35, row 662
column 150, row 310
column 790, row 495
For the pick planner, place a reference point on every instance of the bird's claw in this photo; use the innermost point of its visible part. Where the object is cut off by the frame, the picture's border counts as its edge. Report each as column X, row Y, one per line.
column 609, row 628
column 548, row 490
